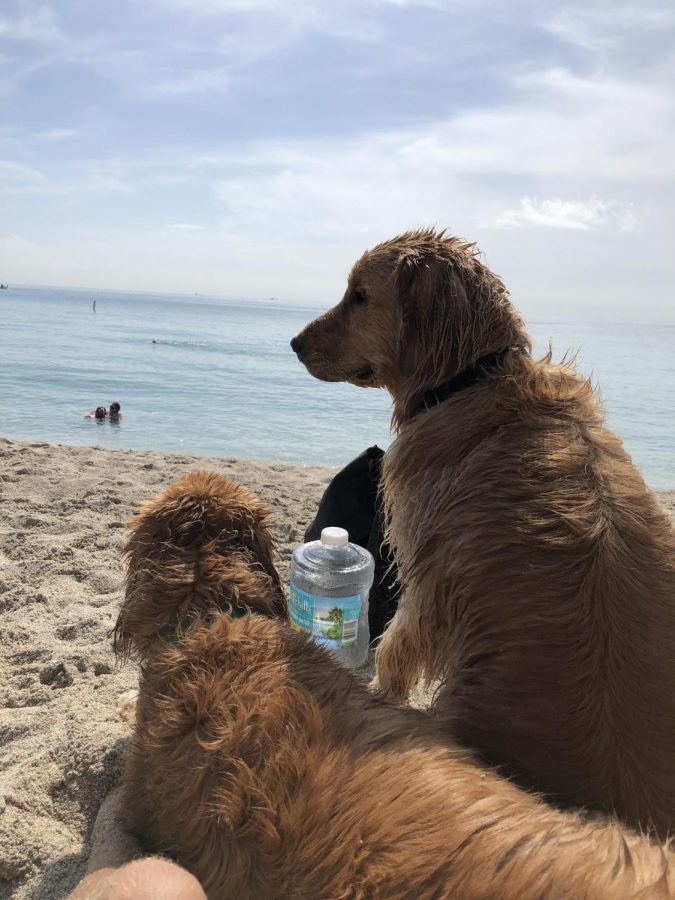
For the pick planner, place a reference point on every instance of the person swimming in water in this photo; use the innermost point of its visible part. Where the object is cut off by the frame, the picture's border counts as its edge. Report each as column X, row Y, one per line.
column 114, row 414
column 99, row 413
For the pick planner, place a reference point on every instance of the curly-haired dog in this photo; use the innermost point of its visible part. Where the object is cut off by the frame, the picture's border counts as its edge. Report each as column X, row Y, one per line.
column 270, row 771
column 537, row 569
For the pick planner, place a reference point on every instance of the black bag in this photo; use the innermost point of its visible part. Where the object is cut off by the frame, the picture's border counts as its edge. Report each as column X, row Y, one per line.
column 352, row 500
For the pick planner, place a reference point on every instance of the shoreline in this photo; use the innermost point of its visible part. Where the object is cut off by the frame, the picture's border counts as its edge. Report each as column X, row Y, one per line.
column 665, row 494
column 63, row 516
column 171, row 454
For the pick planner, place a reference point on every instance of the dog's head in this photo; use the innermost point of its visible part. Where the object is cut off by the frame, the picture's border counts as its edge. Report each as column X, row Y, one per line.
column 203, row 544
column 418, row 310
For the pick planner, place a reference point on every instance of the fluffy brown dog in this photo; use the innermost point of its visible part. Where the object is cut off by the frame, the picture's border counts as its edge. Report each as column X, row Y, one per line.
column 271, row 772
column 537, row 569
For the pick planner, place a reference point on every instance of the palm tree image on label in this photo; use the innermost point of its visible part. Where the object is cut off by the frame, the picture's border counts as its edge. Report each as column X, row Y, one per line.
column 332, row 621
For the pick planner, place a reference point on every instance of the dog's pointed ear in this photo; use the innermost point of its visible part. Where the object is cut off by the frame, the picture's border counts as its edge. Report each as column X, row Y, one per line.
column 435, row 313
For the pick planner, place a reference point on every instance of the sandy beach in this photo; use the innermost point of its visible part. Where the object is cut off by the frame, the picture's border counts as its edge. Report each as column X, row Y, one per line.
column 63, row 516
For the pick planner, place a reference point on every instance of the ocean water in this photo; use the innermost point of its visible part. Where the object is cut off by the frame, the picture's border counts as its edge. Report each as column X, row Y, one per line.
column 217, row 378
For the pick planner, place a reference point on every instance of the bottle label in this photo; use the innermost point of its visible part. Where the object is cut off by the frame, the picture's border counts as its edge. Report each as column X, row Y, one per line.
column 333, row 621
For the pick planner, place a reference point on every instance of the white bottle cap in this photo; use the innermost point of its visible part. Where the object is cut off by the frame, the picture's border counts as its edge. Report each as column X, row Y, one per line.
column 334, row 537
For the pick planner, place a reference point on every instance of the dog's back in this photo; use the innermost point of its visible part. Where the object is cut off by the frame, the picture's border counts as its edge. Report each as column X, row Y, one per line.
column 268, row 770
column 536, row 568
column 555, row 567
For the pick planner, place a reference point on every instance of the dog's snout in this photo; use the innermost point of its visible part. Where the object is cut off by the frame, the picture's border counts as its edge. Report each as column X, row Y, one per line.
column 297, row 344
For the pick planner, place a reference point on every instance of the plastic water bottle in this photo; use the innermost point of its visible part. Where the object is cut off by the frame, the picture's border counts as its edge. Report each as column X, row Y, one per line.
column 330, row 581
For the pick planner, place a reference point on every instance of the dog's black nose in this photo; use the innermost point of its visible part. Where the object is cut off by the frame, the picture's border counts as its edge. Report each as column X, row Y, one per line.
column 297, row 345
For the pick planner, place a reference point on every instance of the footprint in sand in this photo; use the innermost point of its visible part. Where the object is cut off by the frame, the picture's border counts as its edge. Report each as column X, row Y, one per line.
column 28, row 656
column 76, row 574
column 86, row 629
column 105, row 582
column 32, row 522
column 58, row 675
column 23, row 699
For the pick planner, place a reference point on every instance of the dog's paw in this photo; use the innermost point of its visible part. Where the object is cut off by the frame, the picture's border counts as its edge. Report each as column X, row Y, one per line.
column 391, row 686
column 388, row 691
column 381, row 686
column 126, row 707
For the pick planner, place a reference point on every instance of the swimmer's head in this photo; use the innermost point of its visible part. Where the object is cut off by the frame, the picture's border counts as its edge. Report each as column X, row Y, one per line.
column 100, row 412
column 114, row 409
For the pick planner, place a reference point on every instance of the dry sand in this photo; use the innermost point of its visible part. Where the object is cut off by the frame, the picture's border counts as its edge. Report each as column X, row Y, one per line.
column 63, row 512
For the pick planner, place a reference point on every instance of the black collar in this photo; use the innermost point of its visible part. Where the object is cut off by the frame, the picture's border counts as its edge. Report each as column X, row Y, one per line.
column 465, row 378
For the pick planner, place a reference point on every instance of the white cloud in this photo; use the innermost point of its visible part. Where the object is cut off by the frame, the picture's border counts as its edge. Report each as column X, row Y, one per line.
column 204, row 81
column 575, row 30
column 57, row 134
column 15, row 76
column 14, row 244
column 185, row 226
column 38, row 24
column 107, row 176
column 551, row 127
column 583, row 215
column 600, row 27
column 211, row 7
column 429, row 4
column 565, row 137
column 15, row 174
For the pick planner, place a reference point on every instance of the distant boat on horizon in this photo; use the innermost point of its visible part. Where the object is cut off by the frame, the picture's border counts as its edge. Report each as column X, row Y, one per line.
column 3, row 287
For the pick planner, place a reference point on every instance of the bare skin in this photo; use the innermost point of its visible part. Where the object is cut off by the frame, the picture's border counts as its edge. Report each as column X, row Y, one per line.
column 143, row 879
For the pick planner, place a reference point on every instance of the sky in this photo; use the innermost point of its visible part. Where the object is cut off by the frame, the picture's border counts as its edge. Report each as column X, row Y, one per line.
column 257, row 148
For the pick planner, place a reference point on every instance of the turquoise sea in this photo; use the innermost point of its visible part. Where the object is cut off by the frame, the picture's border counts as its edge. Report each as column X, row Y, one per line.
column 215, row 377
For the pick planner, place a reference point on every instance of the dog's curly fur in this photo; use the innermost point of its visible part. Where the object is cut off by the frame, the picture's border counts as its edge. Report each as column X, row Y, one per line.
column 195, row 548
column 270, row 771
column 537, row 569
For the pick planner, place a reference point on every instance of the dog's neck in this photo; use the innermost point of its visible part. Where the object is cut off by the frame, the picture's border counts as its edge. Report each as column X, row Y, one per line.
column 464, row 379
column 196, row 608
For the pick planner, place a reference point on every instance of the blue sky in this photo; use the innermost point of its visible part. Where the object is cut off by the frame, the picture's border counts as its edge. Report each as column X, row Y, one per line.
column 257, row 148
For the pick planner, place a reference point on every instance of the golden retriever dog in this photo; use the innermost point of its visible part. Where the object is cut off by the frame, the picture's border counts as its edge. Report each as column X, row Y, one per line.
column 537, row 569
column 269, row 771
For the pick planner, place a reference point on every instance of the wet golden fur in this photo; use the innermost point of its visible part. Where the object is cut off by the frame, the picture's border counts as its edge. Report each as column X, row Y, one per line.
column 270, row 771
column 538, row 570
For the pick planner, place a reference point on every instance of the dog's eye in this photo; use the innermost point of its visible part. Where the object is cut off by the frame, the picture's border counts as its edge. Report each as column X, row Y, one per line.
column 358, row 298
